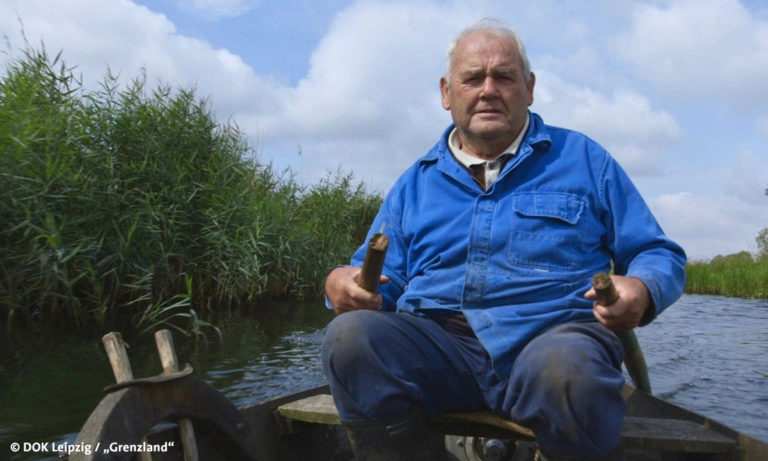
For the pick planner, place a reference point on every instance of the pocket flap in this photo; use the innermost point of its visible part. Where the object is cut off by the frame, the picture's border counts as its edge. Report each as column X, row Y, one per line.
column 558, row 205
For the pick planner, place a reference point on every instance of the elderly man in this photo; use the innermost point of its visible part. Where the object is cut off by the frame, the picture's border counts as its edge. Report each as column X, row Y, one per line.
column 494, row 236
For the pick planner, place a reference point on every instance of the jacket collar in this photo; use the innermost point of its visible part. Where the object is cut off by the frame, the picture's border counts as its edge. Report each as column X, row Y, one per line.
column 537, row 138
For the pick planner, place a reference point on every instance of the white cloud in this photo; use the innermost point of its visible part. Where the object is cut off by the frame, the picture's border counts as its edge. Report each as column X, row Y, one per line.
column 219, row 8
column 370, row 94
column 747, row 179
column 703, row 224
column 370, row 99
column 370, row 102
column 374, row 76
column 377, row 61
column 718, row 209
column 624, row 121
column 128, row 40
column 713, row 49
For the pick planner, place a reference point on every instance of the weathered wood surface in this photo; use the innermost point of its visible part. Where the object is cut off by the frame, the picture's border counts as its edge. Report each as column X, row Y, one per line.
column 306, row 427
column 634, row 359
column 661, row 434
column 604, row 288
column 124, row 417
column 314, row 409
column 118, row 357
column 121, row 365
column 373, row 262
column 674, row 435
column 263, row 431
column 170, row 363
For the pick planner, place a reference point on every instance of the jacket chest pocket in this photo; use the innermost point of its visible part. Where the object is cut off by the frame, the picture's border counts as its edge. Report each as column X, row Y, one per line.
column 545, row 233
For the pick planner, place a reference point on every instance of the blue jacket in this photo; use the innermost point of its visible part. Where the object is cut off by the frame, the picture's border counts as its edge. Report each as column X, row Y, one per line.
column 518, row 257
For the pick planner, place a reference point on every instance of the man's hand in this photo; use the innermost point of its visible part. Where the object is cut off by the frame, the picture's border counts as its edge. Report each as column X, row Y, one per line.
column 627, row 312
column 346, row 295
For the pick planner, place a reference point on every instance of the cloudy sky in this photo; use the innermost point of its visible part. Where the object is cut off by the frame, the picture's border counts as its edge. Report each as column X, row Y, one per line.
column 676, row 90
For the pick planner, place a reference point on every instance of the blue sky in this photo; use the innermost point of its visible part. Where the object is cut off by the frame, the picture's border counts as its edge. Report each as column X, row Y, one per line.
column 674, row 89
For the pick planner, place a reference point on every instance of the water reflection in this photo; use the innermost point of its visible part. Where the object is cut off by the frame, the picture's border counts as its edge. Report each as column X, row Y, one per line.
column 708, row 354
column 273, row 352
column 289, row 366
column 265, row 353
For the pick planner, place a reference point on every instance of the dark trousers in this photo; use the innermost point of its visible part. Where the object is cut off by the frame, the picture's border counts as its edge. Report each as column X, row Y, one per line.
column 565, row 384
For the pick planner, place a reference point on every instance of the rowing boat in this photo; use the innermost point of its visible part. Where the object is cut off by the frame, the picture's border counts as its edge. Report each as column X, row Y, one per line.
column 305, row 426
column 139, row 417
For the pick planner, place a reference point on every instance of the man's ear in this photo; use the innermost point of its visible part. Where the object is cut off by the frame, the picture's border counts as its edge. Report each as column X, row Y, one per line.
column 530, row 84
column 445, row 89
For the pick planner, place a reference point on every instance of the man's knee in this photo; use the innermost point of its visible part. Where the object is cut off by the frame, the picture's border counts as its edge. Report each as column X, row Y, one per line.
column 348, row 337
column 350, row 327
column 577, row 350
column 567, row 384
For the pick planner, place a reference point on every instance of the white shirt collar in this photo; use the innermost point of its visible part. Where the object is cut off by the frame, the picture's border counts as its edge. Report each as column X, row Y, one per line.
column 491, row 168
column 468, row 160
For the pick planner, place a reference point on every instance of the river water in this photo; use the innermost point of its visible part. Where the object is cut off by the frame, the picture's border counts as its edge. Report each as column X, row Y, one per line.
column 705, row 353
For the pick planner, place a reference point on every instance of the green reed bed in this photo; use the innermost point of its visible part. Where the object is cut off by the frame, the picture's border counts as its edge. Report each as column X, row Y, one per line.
column 133, row 208
column 735, row 275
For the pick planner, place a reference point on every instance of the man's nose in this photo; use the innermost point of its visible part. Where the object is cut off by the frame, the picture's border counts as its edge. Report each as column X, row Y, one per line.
column 489, row 89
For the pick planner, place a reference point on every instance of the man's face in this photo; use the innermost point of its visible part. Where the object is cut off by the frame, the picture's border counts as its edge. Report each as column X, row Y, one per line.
column 488, row 95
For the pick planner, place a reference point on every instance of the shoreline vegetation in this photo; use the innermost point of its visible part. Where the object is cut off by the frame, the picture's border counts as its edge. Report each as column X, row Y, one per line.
column 134, row 209
column 738, row 275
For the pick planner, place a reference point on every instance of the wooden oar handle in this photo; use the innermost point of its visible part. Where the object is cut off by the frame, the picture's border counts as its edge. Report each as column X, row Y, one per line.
column 633, row 355
column 603, row 285
column 373, row 262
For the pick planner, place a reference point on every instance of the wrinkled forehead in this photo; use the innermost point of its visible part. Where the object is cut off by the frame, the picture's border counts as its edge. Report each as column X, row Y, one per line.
column 484, row 48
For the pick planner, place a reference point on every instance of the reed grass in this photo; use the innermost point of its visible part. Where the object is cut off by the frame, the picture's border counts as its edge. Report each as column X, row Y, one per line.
column 127, row 207
column 737, row 275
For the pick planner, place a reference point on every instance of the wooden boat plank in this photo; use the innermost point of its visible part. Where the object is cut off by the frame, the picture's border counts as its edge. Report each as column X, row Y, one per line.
column 662, row 434
column 676, row 435
column 313, row 442
column 313, row 409
column 305, row 426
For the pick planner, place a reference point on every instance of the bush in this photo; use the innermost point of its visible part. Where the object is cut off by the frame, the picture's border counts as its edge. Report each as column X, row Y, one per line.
column 125, row 206
column 762, row 244
column 733, row 275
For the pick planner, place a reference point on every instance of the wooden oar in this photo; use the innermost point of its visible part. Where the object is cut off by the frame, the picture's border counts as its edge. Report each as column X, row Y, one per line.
column 633, row 355
column 373, row 262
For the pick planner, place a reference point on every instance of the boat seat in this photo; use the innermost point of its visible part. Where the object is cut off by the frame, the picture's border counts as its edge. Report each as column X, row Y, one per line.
column 658, row 434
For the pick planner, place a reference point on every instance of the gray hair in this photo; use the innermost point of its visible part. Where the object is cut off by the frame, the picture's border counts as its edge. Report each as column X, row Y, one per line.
column 497, row 29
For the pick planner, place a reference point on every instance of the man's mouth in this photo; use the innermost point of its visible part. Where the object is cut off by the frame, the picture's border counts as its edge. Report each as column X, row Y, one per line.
column 487, row 112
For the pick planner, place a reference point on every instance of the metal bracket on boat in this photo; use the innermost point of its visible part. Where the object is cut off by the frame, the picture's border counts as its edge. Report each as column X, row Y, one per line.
column 161, row 378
